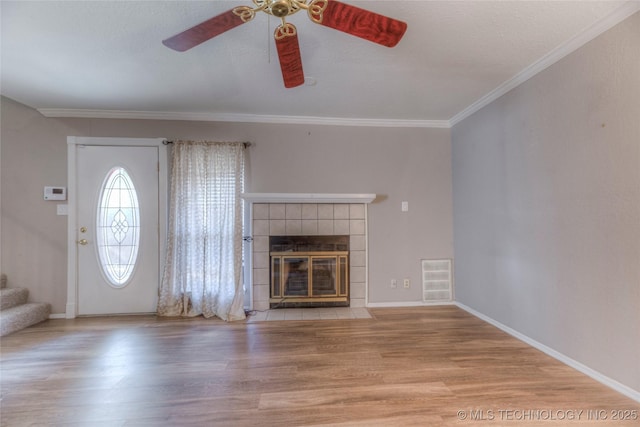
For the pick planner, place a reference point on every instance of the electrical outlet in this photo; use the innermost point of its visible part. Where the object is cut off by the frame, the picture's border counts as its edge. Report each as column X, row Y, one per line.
column 407, row 283
column 394, row 283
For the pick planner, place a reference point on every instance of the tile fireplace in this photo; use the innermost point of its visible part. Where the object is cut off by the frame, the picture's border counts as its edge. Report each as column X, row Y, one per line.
column 287, row 215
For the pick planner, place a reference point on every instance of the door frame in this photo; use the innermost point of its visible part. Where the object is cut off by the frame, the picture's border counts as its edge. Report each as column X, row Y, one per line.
column 73, row 142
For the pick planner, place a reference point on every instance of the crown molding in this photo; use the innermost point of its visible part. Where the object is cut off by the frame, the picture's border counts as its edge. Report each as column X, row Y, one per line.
column 620, row 14
column 239, row 118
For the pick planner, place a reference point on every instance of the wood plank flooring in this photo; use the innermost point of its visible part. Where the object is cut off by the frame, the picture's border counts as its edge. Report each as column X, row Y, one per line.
column 426, row 366
column 320, row 313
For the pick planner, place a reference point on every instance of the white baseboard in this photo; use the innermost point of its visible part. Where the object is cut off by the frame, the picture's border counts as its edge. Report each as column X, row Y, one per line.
column 406, row 304
column 603, row 379
column 58, row 316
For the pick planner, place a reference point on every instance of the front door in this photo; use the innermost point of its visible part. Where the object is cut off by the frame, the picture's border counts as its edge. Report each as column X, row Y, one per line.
column 117, row 229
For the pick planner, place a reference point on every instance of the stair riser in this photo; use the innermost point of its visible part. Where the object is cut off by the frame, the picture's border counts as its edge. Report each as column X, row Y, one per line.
column 23, row 316
column 13, row 297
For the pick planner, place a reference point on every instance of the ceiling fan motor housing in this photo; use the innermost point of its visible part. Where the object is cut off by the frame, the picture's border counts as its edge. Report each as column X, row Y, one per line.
column 280, row 8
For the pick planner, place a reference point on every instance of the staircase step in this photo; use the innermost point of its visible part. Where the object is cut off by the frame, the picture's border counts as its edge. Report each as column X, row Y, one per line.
column 22, row 316
column 11, row 297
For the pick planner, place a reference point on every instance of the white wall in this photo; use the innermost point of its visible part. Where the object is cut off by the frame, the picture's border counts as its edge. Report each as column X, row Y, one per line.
column 546, row 184
column 397, row 164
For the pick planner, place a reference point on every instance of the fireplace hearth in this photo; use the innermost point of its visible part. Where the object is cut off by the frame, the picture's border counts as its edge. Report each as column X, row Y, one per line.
column 309, row 271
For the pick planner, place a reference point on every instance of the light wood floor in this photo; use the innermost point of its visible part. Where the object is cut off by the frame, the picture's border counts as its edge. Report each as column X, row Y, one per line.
column 427, row 366
column 321, row 313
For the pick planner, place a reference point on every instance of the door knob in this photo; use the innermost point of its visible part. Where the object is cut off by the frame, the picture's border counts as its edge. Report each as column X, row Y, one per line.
column 83, row 241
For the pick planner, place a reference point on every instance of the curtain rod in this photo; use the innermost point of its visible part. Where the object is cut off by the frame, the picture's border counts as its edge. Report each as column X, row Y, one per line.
column 169, row 141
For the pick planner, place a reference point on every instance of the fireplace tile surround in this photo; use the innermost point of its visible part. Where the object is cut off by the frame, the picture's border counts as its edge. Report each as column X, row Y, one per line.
column 305, row 218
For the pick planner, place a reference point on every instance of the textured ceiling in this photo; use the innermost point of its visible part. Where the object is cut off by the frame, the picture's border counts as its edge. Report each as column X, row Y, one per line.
column 107, row 55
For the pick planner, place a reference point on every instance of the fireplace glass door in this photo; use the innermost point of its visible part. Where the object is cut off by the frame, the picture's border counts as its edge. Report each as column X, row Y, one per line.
column 296, row 276
column 323, row 276
column 309, row 276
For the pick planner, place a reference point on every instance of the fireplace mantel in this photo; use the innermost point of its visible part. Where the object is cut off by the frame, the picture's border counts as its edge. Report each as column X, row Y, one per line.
column 308, row 198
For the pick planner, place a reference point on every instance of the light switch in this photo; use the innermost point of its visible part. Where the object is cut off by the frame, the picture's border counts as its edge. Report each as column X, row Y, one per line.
column 405, row 206
column 62, row 209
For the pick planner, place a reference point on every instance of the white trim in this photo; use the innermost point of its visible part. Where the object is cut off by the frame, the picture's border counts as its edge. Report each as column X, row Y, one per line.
column 366, row 256
column 58, row 316
column 555, row 55
column 247, row 252
column 609, row 382
column 71, row 309
column 240, row 118
column 307, row 198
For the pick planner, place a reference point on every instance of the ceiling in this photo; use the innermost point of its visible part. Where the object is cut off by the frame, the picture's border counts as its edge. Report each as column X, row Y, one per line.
column 106, row 59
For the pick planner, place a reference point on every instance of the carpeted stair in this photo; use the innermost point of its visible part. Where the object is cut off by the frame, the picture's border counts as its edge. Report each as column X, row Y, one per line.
column 15, row 312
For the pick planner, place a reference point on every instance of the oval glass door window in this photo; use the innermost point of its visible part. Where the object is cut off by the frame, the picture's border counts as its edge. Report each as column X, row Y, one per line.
column 118, row 227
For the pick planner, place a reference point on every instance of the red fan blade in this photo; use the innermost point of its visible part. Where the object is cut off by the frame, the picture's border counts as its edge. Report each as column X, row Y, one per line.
column 289, row 55
column 205, row 30
column 357, row 22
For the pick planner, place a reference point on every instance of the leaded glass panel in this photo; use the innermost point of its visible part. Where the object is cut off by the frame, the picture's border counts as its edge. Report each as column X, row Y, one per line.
column 118, row 227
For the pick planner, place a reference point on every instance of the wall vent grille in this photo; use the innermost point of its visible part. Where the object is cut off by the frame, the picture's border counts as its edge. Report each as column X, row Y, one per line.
column 436, row 280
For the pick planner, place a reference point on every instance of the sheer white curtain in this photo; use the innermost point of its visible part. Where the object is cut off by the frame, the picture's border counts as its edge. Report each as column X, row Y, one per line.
column 203, row 271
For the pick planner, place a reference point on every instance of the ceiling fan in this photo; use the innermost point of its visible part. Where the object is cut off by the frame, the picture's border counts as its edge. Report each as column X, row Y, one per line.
column 330, row 13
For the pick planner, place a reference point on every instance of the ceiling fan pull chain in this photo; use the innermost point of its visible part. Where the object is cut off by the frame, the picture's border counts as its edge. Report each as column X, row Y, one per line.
column 269, row 39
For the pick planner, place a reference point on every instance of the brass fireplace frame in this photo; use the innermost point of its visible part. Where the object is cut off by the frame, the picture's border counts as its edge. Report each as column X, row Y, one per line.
column 278, row 277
